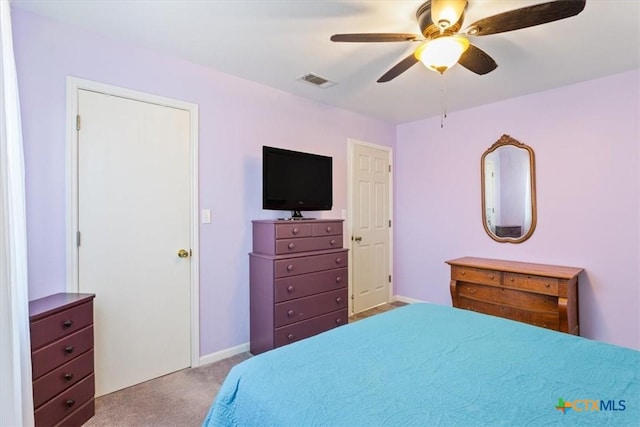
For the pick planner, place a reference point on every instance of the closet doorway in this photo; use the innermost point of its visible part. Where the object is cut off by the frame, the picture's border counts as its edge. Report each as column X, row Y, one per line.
column 369, row 222
column 135, row 231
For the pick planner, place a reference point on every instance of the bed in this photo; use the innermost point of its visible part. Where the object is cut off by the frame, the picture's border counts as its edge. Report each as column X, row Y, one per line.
column 425, row 364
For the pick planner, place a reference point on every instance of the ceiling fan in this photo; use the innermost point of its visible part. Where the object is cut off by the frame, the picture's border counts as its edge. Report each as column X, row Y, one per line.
column 443, row 45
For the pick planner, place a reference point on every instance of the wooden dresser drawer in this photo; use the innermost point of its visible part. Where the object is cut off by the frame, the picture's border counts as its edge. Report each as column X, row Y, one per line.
column 44, row 388
column 80, row 416
column 310, row 264
column 476, row 275
column 538, row 318
column 327, row 228
column 58, row 325
column 306, row 244
column 59, row 352
column 65, row 403
column 543, row 285
column 309, row 284
column 509, row 297
column 295, row 229
column 304, row 308
column 308, row 328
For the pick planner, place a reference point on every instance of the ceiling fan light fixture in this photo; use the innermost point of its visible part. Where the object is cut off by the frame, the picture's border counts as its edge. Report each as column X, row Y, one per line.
column 442, row 53
column 445, row 13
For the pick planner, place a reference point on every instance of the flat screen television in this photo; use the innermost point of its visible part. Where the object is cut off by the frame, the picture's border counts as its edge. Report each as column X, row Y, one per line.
column 296, row 181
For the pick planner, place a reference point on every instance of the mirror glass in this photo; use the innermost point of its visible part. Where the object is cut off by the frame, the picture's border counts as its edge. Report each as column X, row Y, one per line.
column 508, row 191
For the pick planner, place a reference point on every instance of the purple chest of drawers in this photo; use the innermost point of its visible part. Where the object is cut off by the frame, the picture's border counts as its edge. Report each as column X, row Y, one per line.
column 298, row 281
column 62, row 359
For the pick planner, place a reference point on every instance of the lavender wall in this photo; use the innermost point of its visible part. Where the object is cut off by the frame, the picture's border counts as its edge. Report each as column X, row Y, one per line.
column 237, row 117
column 586, row 141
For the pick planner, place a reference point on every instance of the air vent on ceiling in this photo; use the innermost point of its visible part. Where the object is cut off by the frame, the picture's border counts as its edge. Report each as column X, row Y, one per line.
column 316, row 80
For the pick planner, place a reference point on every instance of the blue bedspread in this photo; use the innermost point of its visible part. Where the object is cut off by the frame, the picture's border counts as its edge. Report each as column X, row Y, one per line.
column 432, row 365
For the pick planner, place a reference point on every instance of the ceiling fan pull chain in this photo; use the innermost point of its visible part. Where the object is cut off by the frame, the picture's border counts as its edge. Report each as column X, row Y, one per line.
column 443, row 101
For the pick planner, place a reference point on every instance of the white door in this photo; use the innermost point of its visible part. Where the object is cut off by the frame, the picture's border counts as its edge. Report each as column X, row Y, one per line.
column 370, row 226
column 133, row 217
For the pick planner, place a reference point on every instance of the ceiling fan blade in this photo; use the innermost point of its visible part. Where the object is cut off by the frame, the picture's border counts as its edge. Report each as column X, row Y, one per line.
column 376, row 37
column 477, row 60
column 399, row 68
column 526, row 17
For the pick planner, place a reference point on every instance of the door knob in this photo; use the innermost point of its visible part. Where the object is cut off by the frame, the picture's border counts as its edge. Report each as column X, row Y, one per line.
column 358, row 238
column 183, row 253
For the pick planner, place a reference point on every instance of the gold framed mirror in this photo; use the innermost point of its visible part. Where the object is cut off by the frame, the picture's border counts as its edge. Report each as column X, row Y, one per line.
column 508, row 191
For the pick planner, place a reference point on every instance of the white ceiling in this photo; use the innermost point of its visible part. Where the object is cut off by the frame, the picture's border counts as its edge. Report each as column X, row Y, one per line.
column 275, row 42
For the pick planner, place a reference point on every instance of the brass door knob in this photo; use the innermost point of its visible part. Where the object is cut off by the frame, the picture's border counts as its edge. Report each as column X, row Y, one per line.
column 183, row 253
column 358, row 238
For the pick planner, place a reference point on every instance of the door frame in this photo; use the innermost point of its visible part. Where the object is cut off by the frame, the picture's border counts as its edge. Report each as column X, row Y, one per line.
column 74, row 85
column 351, row 143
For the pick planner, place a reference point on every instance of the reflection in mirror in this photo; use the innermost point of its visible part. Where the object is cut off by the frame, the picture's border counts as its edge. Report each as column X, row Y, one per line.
column 508, row 191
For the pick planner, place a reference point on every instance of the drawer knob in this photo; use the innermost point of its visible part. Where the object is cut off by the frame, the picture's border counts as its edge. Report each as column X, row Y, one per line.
column 332, row 242
column 463, row 273
column 547, row 285
column 68, row 376
column 295, row 230
column 338, row 321
column 511, row 279
column 328, row 229
column 69, row 349
column 70, row 403
column 290, row 267
column 290, row 288
column 67, row 323
column 291, row 245
column 290, row 313
column 491, row 277
column 338, row 260
column 338, row 279
column 339, row 300
column 472, row 290
column 290, row 337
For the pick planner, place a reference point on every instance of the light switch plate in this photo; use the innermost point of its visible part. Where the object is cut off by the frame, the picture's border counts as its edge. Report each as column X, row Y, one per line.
column 206, row 216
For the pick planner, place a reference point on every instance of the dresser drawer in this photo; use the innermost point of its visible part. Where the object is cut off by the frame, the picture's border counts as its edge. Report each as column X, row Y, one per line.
column 327, row 229
column 296, row 229
column 61, row 378
column 538, row 318
column 543, row 285
column 309, row 284
column 287, row 246
column 309, row 264
column 510, row 297
column 59, row 352
column 308, row 328
column 65, row 403
column 61, row 324
column 476, row 275
column 307, row 307
column 80, row 416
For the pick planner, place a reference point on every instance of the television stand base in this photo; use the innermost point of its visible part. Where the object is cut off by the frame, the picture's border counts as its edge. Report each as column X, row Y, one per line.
column 296, row 219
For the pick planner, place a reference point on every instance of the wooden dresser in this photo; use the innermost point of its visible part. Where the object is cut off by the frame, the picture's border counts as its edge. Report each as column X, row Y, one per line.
column 298, row 281
column 542, row 295
column 62, row 359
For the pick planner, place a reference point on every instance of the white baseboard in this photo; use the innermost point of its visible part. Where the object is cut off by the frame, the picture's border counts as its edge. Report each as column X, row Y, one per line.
column 406, row 299
column 223, row 354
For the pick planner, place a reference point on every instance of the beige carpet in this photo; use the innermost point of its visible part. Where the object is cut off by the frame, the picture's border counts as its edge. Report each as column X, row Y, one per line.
column 178, row 399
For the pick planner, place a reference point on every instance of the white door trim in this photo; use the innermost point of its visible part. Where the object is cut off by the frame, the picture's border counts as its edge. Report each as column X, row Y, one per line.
column 74, row 85
column 351, row 143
